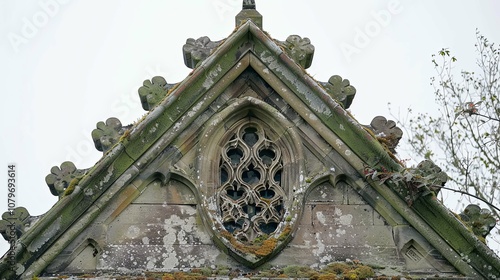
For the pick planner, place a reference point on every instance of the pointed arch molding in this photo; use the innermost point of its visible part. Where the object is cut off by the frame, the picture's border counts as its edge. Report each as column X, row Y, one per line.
column 251, row 180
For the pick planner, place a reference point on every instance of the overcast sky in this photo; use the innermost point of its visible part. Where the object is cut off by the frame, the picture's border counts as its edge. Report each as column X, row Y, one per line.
column 66, row 65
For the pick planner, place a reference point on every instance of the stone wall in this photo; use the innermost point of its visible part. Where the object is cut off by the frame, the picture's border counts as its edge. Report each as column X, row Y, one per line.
column 161, row 231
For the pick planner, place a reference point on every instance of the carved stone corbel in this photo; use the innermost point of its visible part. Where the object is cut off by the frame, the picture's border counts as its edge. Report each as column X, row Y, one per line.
column 197, row 50
column 153, row 91
column 386, row 132
column 341, row 90
column 59, row 178
column 299, row 49
column 107, row 134
column 433, row 175
column 15, row 223
column 481, row 221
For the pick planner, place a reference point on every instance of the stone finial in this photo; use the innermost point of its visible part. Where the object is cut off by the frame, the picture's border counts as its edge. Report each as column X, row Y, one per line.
column 386, row 132
column 481, row 221
column 152, row 92
column 14, row 221
column 59, row 178
column 197, row 50
column 299, row 49
column 249, row 12
column 248, row 4
column 341, row 90
column 107, row 134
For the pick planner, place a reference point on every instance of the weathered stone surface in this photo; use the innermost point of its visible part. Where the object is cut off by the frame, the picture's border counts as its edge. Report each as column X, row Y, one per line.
column 327, row 193
column 156, row 237
column 480, row 220
column 59, row 178
column 341, row 90
column 131, row 258
column 249, row 4
column 152, row 92
column 197, row 50
column 417, row 252
column 249, row 12
column 386, row 132
column 85, row 262
column 428, row 173
column 173, row 193
column 14, row 223
column 299, row 49
column 107, row 134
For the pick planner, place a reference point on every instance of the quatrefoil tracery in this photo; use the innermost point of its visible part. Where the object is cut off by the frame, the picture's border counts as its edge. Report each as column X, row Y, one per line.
column 250, row 193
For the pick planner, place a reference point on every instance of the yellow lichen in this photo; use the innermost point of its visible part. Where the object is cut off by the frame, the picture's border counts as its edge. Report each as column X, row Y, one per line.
column 125, row 135
column 263, row 249
column 267, row 247
column 72, row 184
column 286, row 232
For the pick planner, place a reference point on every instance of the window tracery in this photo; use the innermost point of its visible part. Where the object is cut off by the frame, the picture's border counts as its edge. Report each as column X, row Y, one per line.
column 250, row 193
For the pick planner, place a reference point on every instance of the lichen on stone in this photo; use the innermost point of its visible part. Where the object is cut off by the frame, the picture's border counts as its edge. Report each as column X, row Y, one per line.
column 197, row 50
column 60, row 177
column 340, row 90
column 480, row 221
column 108, row 134
column 153, row 91
column 299, row 49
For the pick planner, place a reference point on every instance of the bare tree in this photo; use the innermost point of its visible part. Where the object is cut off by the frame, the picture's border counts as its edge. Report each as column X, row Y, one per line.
column 464, row 136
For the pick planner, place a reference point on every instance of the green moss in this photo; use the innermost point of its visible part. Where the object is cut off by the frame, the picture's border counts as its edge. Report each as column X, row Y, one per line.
column 286, row 232
column 264, row 248
column 72, row 184
column 364, row 271
column 300, row 272
column 206, row 271
column 223, row 272
column 260, row 239
column 125, row 135
column 336, row 268
column 356, row 270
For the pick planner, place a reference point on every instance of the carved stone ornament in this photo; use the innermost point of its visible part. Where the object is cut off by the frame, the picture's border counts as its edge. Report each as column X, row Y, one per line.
column 251, row 195
column 107, row 134
column 250, row 181
column 59, row 178
column 341, row 90
column 434, row 177
column 197, row 50
column 386, row 132
column 299, row 49
column 481, row 221
column 152, row 92
column 248, row 4
column 14, row 223
column 249, row 12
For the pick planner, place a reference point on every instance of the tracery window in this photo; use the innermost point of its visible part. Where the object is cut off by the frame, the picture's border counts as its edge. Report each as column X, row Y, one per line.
column 250, row 193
